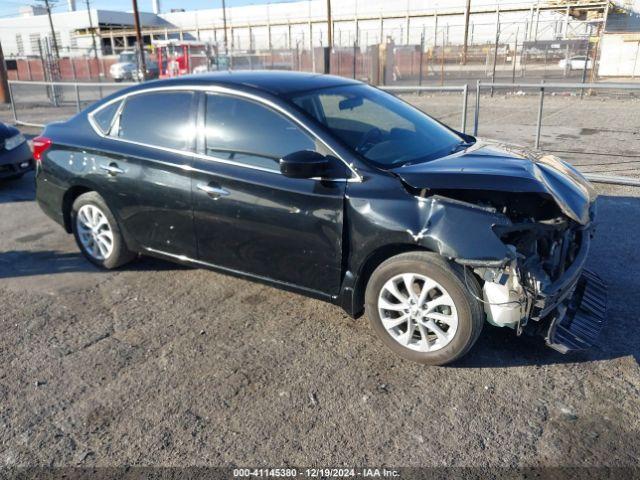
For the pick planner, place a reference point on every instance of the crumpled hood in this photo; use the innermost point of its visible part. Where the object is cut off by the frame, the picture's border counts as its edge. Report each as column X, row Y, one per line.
column 500, row 167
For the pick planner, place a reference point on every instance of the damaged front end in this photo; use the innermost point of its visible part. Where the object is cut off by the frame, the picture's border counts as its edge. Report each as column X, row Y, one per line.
column 545, row 214
column 545, row 289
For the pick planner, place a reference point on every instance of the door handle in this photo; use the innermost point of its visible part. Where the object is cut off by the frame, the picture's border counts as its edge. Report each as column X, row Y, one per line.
column 213, row 192
column 111, row 169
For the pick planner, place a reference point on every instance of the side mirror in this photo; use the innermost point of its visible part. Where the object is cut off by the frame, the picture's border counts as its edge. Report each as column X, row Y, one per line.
column 304, row 164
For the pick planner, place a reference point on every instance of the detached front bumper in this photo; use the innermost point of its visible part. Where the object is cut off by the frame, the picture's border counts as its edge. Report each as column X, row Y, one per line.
column 16, row 162
column 579, row 320
column 574, row 306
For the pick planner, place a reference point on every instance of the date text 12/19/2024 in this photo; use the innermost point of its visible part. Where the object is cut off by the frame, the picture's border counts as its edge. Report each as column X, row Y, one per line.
column 315, row 472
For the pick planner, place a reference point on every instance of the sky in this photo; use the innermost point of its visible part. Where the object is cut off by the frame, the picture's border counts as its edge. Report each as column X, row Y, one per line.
column 11, row 7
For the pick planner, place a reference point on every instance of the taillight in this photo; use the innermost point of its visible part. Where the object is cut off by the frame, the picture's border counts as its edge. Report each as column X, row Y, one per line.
column 40, row 145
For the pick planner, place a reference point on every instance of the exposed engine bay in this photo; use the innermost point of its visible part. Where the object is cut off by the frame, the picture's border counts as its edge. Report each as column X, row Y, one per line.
column 547, row 251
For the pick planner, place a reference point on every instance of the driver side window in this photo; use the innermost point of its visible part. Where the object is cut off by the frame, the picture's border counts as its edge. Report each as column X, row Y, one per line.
column 246, row 132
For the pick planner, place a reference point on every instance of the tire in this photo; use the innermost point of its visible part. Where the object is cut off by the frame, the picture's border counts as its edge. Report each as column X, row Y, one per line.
column 455, row 338
column 114, row 256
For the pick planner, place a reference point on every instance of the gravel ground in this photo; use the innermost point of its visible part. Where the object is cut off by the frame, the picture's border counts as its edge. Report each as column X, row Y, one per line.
column 157, row 364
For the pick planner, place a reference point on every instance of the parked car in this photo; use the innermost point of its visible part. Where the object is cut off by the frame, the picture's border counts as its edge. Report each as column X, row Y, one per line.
column 126, row 68
column 336, row 190
column 575, row 63
column 152, row 71
column 15, row 154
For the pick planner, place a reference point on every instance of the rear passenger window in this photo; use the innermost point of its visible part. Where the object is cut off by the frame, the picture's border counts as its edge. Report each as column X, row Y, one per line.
column 249, row 133
column 162, row 119
column 104, row 117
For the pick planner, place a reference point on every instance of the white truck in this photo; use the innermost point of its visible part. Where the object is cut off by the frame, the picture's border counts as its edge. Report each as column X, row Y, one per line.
column 126, row 68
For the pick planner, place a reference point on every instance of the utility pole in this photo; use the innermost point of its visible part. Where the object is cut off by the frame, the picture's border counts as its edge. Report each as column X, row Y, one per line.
column 54, row 40
column 142, row 64
column 224, row 24
column 4, row 79
column 329, row 25
column 93, row 33
column 329, row 47
column 465, row 45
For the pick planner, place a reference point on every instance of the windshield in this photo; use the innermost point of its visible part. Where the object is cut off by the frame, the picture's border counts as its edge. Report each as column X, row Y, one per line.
column 385, row 130
column 127, row 58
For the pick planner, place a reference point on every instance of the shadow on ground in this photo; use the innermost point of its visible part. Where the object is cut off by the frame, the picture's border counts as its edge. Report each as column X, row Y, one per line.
column 18, row 190
column 25, row 263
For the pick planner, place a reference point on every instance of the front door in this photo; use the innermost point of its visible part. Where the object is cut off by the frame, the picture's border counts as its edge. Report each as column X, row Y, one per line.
column 248, row 216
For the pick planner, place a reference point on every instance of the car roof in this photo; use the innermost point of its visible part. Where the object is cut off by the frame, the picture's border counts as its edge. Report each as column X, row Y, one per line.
column 276, row 82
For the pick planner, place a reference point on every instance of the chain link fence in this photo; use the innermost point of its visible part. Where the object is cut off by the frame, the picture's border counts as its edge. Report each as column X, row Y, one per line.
column 430, row 50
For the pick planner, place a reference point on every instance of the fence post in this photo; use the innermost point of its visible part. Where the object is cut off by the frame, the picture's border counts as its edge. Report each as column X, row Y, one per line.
column 539, row 124
column 422, row 58
column 514, row 57
column 465, row 97
column 586, row 63
column 477, row 112
column 77, row 97
column 13, row 105
column 355, row 52
column 442, row 60
column 495, row 57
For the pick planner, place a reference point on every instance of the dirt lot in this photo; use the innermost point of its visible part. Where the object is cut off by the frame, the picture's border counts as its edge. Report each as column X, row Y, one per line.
column 157, row 364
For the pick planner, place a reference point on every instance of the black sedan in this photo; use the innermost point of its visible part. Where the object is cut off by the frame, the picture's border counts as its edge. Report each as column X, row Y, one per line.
column 336, row 190
column 15, row 154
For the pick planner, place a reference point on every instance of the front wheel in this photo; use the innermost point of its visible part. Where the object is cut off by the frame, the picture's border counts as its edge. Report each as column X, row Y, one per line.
column 97, row 233
column 423, row 309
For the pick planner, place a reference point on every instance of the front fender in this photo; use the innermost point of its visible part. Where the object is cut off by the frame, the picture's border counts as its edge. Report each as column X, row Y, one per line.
column 384, row 217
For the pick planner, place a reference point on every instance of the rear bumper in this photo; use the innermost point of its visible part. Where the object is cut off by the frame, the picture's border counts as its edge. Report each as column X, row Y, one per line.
column 577, row 322
column 16, row 162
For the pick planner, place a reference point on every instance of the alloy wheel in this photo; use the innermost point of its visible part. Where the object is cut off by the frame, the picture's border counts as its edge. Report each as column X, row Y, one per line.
column 417, row 312
column 94, row 231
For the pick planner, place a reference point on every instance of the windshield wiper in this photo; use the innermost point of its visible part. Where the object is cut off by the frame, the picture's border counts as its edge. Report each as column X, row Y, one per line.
column 461, row 146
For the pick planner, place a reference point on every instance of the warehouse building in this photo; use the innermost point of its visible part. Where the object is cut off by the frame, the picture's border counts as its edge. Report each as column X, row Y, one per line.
column 303, row 24
column 29, row 33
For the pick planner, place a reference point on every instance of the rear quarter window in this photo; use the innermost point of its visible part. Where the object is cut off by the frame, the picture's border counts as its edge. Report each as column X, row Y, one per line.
column 103, row 118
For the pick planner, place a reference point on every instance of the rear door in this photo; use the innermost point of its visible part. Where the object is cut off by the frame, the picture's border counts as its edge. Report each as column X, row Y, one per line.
column 145, row 169
column 248, row 216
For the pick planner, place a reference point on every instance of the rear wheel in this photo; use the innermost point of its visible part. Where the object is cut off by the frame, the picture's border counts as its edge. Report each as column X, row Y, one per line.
column 97, row 233
column 421, row 308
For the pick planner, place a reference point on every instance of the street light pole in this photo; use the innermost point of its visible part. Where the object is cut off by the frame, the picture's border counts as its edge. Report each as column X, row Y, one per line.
column 142, row 64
